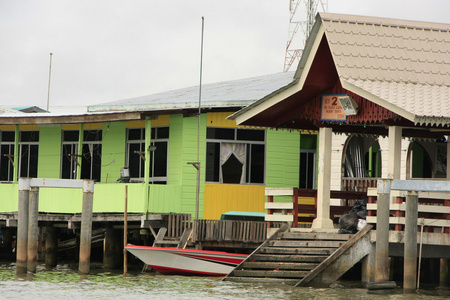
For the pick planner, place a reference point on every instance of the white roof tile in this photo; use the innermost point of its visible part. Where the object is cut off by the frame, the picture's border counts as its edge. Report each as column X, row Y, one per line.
column 405, row 63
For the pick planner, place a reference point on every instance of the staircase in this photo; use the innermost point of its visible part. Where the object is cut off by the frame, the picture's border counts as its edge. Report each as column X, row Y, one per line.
column 300, row 258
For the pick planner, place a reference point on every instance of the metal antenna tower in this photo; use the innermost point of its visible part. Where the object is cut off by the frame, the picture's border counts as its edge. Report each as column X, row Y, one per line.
column 296, row 42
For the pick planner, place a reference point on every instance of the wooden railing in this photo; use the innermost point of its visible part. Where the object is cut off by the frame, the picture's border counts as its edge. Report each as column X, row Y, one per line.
column 294, row 212
column 358, row 184
column 433, row 210
column 177, row 224
column 229, row 231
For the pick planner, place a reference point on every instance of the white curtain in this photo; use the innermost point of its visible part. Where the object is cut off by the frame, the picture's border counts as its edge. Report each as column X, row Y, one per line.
column 227, row 149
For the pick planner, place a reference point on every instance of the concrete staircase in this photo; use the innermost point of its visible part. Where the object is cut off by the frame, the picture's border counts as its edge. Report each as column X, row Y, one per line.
column 299, row 258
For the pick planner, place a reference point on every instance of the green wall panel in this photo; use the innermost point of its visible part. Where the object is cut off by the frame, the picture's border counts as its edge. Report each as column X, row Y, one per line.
column 60, row 200
column 49, row 159
column 9, row 197
column 282, row 162
column 113, row 150
column 110, row 197
column 189, row 183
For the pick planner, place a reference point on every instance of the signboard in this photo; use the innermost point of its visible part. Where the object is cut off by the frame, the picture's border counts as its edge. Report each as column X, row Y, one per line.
column 332, row 109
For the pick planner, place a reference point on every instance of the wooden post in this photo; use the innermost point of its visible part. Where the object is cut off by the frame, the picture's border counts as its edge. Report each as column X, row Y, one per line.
column 109, row 249
column 125, row 232
column 33, row 230
column 410, row 256
column 51, row 247
column 86, row 227
column 399, row 213
column 22, row 226
column 295, row 208
column 382, row 234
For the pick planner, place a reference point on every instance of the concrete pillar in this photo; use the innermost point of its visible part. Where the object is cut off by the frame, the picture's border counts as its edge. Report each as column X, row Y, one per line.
column 368, row 267
column 444, row 276
column 394, row 152
column 51, row 247
column 86, row 227
column 382, row 233
column 22, row 226
column 33, row 230
column 109, row 249
column 323, row 180
column 410, row 255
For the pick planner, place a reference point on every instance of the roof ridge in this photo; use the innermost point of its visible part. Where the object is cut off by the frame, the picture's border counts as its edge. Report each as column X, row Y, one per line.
column 388, row 22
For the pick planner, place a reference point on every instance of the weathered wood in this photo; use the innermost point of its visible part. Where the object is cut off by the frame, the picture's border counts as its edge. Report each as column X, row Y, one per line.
column 323, row 275
column 316, row 236
column 274, row 274
column 280, row 265
column 304, row 251
column 289, row 258
column 286, row 281
column 307, row 244
column 160, row 237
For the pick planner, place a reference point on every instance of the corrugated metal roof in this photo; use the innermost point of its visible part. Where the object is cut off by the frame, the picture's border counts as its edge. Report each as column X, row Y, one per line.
column 234, row 93
column 6, row 110
column 405, row 64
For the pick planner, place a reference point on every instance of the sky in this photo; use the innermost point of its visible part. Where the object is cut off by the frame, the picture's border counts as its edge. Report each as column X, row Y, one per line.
column 107, row 50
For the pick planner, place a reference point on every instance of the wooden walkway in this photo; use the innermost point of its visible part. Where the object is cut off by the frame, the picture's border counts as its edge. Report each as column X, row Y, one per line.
column 297, row 258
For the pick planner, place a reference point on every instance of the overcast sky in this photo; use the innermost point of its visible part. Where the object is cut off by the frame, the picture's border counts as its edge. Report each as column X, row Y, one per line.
column 106, row 50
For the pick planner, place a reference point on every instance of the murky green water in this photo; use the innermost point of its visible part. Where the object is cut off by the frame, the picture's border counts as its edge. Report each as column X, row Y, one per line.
column 65, row 283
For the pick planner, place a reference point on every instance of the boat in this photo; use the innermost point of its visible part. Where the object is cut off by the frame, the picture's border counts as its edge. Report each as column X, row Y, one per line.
column 177, row 261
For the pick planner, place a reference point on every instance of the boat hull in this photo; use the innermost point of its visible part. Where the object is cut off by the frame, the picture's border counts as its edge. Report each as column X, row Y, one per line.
column 175, row 261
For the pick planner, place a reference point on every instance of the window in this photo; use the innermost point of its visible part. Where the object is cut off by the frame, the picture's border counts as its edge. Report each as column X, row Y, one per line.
column 91, row 157
column 307, row 161
column 158, row 157
column 28, row 153
column 235, row 155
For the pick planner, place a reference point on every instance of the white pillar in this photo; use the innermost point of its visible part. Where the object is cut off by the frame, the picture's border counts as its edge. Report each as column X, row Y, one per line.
column 324, row 179
column 394, row 152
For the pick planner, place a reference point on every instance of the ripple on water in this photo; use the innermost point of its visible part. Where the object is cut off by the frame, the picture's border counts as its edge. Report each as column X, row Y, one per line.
column 64, row 282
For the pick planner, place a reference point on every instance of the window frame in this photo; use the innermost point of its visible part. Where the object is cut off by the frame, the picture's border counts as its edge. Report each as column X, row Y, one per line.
column 154, row 141
column 235, row 140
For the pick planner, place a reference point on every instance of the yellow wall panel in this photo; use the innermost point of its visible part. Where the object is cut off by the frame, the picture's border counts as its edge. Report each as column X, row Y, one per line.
column 161, row 121
column 221, row 198
column 220, row 120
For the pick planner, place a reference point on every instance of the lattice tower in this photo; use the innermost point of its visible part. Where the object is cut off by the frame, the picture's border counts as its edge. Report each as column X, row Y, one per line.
column 297, row 40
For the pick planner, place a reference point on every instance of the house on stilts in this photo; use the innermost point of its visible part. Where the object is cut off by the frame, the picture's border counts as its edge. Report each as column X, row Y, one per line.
column 378, row 92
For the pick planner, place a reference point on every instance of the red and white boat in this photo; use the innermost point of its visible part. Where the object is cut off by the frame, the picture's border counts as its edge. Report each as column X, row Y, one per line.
column 176, row 261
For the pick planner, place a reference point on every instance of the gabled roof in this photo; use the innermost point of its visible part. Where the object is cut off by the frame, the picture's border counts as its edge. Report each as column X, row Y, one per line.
column 403, row 66
column 227, row 94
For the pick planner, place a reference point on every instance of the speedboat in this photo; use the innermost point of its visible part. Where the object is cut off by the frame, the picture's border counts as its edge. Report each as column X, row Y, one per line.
column 177, row 261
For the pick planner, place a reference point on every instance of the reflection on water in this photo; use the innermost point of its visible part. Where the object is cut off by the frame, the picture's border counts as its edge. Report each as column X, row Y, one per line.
column 64, row 282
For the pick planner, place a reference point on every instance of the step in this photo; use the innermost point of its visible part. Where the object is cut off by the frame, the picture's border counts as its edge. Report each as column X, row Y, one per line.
column 302, row 251
column 287, row 281
column 279, row 265
column 315, row 236
column 273, row 273
column 306, row 244
column 289, row 258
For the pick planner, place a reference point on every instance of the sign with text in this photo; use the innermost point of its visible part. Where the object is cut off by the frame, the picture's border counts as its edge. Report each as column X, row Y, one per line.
column 332, row 109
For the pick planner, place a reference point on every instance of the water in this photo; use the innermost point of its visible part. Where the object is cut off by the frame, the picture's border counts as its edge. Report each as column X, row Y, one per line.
column 64, row 282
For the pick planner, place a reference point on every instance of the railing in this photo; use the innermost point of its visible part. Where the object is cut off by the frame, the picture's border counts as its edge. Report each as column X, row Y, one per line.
column 229, row 231
column 358, row 184
column 294, row 212
column 177, row 224
column 433, row 210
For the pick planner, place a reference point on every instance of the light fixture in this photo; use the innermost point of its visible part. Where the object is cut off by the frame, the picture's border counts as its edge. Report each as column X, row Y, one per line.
column 349, row 105
column 152, row 148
